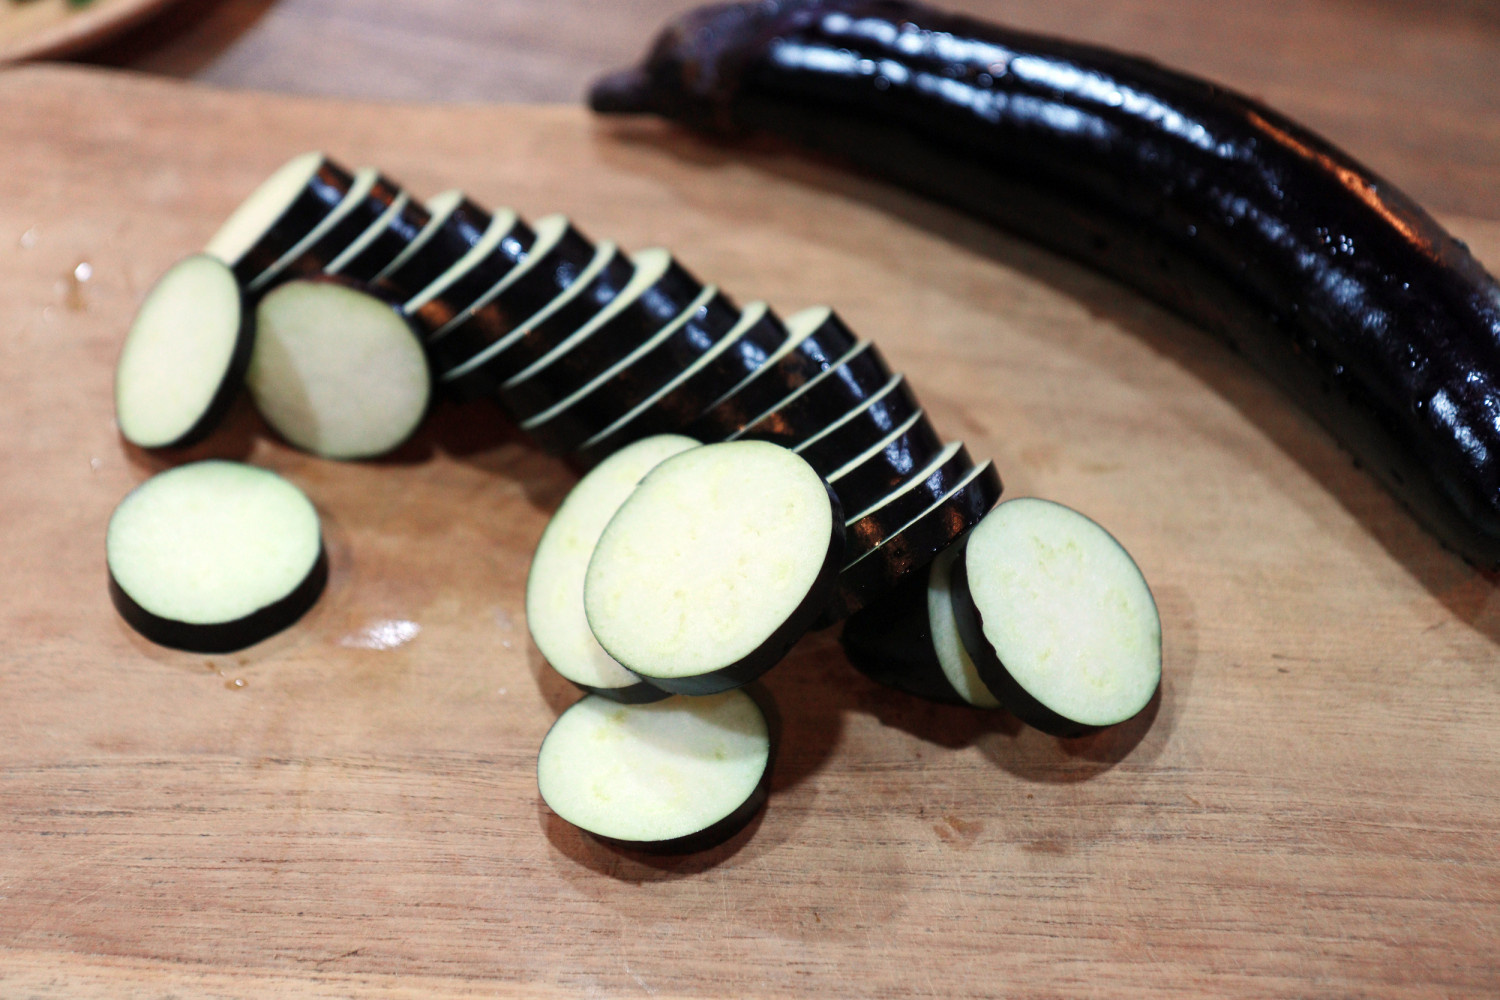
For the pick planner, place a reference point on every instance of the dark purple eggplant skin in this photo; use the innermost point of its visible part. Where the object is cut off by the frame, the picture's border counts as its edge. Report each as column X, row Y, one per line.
column 913, row 548
column 622, row 333
column 683, row 402
column 485, row 273
column 890, row 642
column 622, row 392
column 344, row 232
column 815, row 354
column 321, row 195
column 847, row 384
column 871, row 530
column 862, row 431
column 224, row 637
column 398, row 234
column 479, row 333
column 903, row 457
column 1339, row 287
column 454, row 236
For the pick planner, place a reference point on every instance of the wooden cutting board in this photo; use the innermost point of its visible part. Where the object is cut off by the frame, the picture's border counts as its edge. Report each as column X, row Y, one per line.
column 349, row 809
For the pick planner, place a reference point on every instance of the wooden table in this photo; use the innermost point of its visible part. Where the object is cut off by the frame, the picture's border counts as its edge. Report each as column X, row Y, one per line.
column 1308, row 810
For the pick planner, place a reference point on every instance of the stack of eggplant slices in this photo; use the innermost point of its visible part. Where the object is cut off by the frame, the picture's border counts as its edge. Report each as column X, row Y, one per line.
column 751, row 478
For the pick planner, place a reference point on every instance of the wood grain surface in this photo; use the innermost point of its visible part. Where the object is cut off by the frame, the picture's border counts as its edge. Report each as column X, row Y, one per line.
column 349, row 809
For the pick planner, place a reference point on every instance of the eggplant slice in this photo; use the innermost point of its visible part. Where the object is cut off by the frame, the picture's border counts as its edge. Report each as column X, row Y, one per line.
column 382, row 242
column 915, row 544
column 214, row 556
column 674, row 776
column 741, row 351
column 1057, row 617
column 185, row 356
column 454, row 224
column 860, row 428
column 277, row 214
column 818, row 338
column 336, row 370
column 479, row 350
column 367, row 199
column 718, row 562
column 554, row 586
column 625, row 384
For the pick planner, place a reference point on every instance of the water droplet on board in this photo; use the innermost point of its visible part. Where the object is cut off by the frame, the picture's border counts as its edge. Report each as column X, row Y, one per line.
column 84, row 271
column 238, row 684
column 382, row 635
column 29, row 238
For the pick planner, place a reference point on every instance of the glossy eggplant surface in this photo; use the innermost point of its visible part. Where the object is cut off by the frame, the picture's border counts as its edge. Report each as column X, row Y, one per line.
column 1338, row 286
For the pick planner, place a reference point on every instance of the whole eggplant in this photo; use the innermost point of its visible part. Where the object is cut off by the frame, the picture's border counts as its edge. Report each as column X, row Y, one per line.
column 1339, row 287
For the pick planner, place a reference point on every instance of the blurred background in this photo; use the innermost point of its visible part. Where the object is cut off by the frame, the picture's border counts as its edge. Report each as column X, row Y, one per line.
column 1410, row 86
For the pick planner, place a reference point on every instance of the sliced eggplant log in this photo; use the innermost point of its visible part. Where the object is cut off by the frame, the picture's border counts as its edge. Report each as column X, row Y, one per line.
column 675, row 776
column 490, row 353
column 861, row 428
column 454, row 224
column 870, row 527
column 742, row 350
column 214, row 556
column 506, row 243
column 818, row 339
column 382, row 242
column 659, row 290
column 282, row 210
column 185, row 356
column 1057, row 617
column 368, row 197
column 715, row 565
column 336, row 370
column 887, row 464
column 560, row 256
column 554, row 587
column 622, row 386
column 916, row 544
column 856, row 377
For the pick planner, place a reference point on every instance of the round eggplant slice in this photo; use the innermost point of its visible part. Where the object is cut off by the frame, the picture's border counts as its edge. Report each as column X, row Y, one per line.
column 718, row 562
column 542, row 284
column 954, row 659
column 489, row 362
column 185, row 356
column 554, row 586
column 336, row 370
column 659, row 290
column 908, row 640
column 888, row 463
column 507, row 242
column 860, row 428
column 675, row 776
column 742, row 350
column 868, row 528
column 913, row 548
column 1057, row 617
column 818, row 338
column 635, row 377
column 822, row 400
column 214, row 556
column 368, row 197
column 454, row 224
column 381, row 242
column 281, row 211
